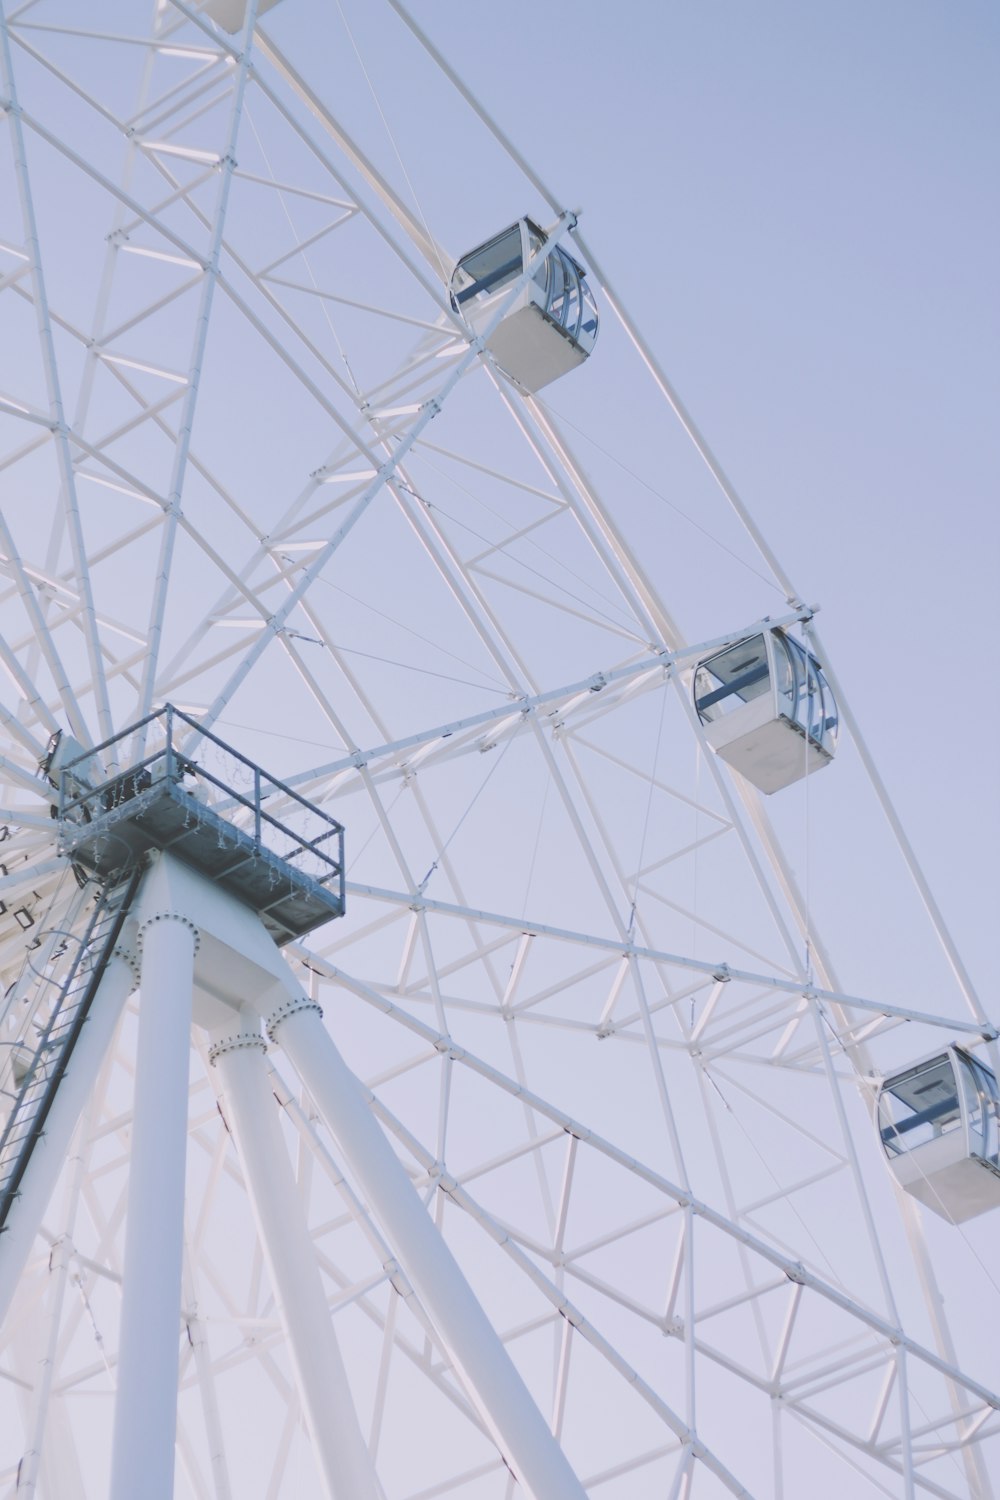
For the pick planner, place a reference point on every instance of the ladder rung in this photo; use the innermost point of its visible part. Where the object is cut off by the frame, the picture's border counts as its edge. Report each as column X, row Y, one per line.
column 24, row 1127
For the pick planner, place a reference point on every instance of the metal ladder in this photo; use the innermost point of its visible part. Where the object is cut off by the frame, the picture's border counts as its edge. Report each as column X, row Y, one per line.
column 25, row 1124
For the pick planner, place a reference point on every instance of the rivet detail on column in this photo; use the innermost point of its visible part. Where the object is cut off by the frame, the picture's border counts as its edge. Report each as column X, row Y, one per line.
column 128, row 956
column 170, row 916
column 238, row 1041
column 290, row 1007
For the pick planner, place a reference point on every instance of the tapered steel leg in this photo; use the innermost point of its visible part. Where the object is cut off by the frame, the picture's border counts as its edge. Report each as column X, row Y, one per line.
column 322, row 1380
column 466, row 1333
column 146, row 1407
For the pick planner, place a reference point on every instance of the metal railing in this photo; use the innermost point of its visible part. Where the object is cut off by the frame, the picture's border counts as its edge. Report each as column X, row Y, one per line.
column 228, row 784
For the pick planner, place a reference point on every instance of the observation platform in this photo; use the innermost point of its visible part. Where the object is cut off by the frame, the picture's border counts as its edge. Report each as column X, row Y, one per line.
column 206, row 805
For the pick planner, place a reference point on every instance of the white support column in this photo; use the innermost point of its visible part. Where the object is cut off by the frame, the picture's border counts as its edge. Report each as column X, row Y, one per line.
column 146, row 1407
column 466, row 1334
column 206, row 1382
column 30, row 1468
column 324, row 1389
column 50, row 1155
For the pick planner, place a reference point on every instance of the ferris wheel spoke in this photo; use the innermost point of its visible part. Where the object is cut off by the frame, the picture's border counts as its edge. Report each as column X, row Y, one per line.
column 120, row 195
column 129, row 484
column 766, row 1012
column 227, row 161
column 393, row 461
column 36, row 589
column 592, row 516
column 429, row 286
column 258, row 282
column 49, row 362
column 384, row 475
column 16, row 34
column 10, row 722
column 378, row 312
column 879, row 1352
column 38, row 709
column 432, row 253
column 23, row 777
column 511, row 1242
column 486, row 671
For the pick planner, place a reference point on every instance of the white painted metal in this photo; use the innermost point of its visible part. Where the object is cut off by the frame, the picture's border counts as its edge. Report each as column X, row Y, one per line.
column 323, row 1382
column 939, row 1122
column 30, row 1467
column 192, row 381
column 480, row 1359
column 426, row 413
column 57, row 421
column 553, row 908
column 51, row 1153
column 549, row 329
column 764, row 710
column 145, row 1409
column 231, row 14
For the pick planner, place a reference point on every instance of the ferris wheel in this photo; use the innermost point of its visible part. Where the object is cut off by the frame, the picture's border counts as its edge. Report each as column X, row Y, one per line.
column 434, row 1060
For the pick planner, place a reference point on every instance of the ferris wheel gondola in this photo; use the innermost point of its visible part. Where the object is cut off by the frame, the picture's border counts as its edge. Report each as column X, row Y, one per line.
column 231, row 14
column 396, row 1208
column 551, row 327
column 939, row 1124
column 767, row 708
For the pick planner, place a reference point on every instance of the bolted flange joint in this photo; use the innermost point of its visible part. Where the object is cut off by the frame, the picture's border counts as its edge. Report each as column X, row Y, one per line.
column 169, row 916
column 238, row 1041
column 290, row 1007
column 129, row 956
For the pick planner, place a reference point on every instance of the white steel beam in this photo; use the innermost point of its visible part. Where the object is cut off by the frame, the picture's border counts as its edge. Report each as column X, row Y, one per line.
column 50, row 1154
column 477, row 1353
column 60, row 429
column 323, row 1384
column 793, row 1269
column 193, row 384
column 148, row 1358
column 514, row 711
column 428, row 411
column 571, row 1313
column 627, row 948
column 30, row 1467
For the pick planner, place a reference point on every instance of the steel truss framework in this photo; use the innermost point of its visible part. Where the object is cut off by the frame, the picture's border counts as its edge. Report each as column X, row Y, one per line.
column 253, row 463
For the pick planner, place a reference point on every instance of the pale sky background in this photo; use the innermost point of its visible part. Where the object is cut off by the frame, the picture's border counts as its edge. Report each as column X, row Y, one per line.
column 798, row 204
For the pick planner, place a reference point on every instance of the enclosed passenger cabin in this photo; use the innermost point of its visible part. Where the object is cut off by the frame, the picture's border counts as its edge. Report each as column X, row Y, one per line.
column 767, row 709
column 939, row 1123
column 552, row 325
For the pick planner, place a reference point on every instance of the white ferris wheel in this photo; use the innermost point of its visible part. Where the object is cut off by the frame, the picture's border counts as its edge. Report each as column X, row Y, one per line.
column 434, row 1058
